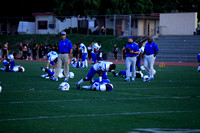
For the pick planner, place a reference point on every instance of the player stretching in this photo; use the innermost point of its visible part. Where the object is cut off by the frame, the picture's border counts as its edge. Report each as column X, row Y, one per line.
column 198, row 57
column 99, row 68
column 9, row 62
column 52, row 59
column 99, row 86
column 96, row 52
column 83, row 49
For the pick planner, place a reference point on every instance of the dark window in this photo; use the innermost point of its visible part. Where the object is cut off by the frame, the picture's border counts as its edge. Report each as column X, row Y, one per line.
column 42, row 24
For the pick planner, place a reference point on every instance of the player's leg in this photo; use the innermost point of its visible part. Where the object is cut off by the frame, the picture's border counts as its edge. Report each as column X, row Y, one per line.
column 138, row 63
column 151, row 62
column 90, row 75
column 146, row 65
column 128, row 65
column 94, row 58
column 58, row 68
column 133, row 67
column 65, row 60
column 12, row 64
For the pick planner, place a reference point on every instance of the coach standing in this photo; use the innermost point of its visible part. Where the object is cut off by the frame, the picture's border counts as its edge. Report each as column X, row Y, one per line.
column 151, row 50
column 65, row 51
column 132, row 50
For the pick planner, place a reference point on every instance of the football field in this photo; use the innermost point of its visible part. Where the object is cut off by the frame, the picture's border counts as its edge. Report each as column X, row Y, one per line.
column 169, row 102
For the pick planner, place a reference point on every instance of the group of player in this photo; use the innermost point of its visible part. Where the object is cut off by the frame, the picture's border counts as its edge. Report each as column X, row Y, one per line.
column 99, row 67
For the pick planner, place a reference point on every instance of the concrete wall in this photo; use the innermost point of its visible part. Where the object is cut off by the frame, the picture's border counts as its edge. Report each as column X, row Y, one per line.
column 178, row 23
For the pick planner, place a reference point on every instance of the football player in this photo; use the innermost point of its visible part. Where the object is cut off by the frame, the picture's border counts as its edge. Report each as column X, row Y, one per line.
column 50, row 73
column 52, row 60
column 198, row 57
column 75, row 63
column 96, row 52
column 99, row 68
column 9, row 62
column 99, row 86
column 17, row 68
column 83, row 49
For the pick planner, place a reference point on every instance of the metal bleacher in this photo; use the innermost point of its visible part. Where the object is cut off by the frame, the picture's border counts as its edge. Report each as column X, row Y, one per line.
column 174, row 48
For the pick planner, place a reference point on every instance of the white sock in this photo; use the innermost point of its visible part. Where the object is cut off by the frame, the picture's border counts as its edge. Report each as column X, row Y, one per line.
column 86, row 63
column 80, row 82
column 87, row 87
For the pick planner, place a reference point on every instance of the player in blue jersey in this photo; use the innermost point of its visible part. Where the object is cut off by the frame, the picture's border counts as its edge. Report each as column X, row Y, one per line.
column 99, row 68
column 99, row 86
column 83, row 50
column 150, row 51
column 198, row 57
column 131, row 50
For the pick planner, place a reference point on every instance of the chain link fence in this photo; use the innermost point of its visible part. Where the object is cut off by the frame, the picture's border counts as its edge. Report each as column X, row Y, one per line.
column 49, row 23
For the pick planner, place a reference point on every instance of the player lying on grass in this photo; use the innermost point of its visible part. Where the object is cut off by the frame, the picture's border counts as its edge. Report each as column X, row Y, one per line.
column 52, row 60
column 104, row 85
column 50, row 73
column 99, row 68
column 17, row 68
column 138, row 74
column 198, row 57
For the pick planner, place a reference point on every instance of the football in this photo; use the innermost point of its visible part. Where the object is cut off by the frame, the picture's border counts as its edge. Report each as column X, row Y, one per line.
column 64, row 86
column 146, row 78
column 71, row 75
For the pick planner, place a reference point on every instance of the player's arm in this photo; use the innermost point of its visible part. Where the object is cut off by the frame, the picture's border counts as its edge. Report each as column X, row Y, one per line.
column 95, row 50
column 48, row 64
column 70, row 53
column 155, row 53
column 100, row 75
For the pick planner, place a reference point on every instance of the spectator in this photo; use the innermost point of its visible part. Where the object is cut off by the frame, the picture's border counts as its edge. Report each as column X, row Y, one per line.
column 124, row 53
column 115, row 51
column 40, row 49
column 75, row 51
column 48, row 49
column 56, row 48
column 24, row 52
column 5, row 50
column 97, row 29
column 34, row 51
column 89, row 52
column 0, row 53
column 44, row 52
column 28, row 52
column 20, row 50
column 103, row 30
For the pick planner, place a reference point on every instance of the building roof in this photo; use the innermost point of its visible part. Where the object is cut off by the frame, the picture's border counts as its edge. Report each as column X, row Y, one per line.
column 43, row 14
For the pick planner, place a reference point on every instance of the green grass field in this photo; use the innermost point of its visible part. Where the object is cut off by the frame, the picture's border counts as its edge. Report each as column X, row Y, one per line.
column 31, row 104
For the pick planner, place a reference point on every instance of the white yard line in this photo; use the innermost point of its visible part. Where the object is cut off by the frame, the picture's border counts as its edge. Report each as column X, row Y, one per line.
column 102, row 99
column 164, row 130
column 94, row 115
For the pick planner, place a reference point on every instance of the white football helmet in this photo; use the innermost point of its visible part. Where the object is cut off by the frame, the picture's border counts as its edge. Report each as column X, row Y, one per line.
column 64, row 86
column 146, row 78
column 71, row 75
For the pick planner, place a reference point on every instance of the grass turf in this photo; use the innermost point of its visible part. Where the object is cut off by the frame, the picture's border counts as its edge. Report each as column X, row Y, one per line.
column 31, row 104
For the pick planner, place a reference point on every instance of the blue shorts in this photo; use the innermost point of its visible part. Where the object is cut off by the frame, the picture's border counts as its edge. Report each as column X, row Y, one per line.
column 138, row 62
column 198, row 57
column 51, row 63
column 92, row 72
column 94, row 58
column 50, row 73
column 122, row 73
column 84, row 57
column 12, row 64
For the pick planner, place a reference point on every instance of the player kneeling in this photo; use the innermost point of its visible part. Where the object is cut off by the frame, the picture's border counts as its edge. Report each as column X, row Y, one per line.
column 76, row 64
column 100, row 86
column 99, row 68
